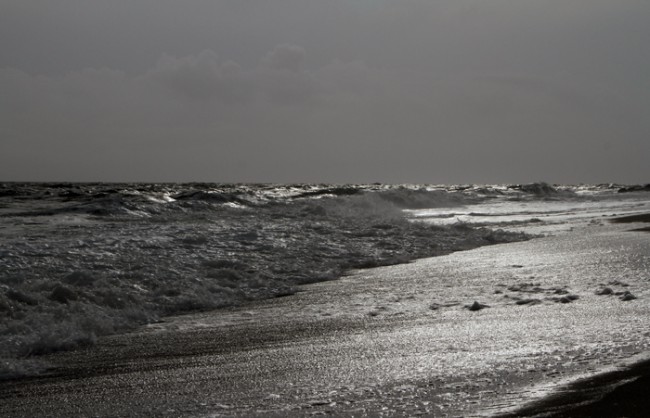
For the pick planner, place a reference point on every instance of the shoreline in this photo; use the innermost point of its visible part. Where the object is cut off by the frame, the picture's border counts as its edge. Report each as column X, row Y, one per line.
column 617, row 393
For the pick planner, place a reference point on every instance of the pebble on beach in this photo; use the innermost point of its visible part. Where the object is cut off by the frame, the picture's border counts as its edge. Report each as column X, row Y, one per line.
column 476, row 306
column 627, row 296
column 528, row 302
column 604, row 291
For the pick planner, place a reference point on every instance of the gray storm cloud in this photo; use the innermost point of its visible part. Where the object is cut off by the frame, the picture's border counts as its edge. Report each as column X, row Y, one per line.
column 286, row 57
column 202, row 77
column 287, row 90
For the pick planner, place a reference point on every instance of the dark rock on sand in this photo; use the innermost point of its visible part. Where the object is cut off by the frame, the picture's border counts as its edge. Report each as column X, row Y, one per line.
column 618, row 283
column 605, row 291
column 527, row 287
column 565, row 299
column 627, row 296
column 528, row 302
column 476, row 306
column 435, row 306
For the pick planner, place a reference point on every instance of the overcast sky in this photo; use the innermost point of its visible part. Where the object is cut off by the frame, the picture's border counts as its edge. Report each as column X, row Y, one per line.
column 433, row 91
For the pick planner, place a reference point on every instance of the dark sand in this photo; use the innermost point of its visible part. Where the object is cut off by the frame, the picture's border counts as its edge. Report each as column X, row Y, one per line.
column 621, row 393
column 644, row 217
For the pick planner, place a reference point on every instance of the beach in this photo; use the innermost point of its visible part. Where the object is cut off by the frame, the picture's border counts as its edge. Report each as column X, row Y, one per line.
column 297, row 208
column 484, row 332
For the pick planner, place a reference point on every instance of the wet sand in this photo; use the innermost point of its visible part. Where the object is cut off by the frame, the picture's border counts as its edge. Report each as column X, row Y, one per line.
column 403, row 340
column 620, row 393
column 643, row 218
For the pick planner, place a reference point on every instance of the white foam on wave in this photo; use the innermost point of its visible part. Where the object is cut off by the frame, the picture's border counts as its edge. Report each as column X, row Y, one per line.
column 519, row 213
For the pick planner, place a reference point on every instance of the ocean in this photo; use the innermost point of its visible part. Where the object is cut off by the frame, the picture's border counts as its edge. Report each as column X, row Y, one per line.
column 79, row 261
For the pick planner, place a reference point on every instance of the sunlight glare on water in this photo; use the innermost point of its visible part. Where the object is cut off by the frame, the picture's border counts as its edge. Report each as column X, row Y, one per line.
column 535, row 216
